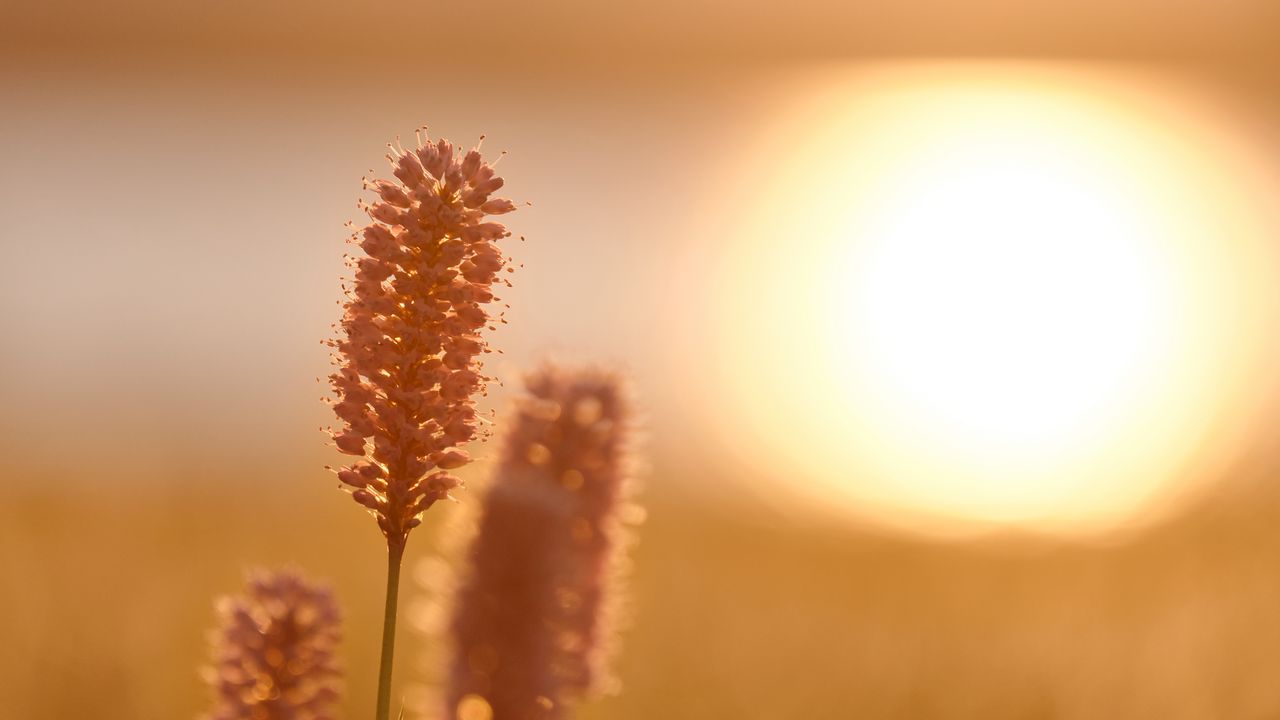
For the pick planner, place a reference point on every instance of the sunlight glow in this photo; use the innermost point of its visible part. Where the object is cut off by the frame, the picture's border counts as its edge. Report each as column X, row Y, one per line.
column 1016, row 292
column 1004, row 295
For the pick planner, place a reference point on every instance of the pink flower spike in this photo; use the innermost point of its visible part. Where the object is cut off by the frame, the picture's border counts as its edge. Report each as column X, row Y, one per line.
column 534, row 620
column 273, row 651
column 408, row 354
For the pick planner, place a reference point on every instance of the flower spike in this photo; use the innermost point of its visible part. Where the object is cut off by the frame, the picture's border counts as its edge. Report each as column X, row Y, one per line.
column 534, row 620
column 273, row 652
column 407, row 358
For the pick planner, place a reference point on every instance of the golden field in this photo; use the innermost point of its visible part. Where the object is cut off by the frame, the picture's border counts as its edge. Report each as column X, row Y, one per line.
column 738, row 609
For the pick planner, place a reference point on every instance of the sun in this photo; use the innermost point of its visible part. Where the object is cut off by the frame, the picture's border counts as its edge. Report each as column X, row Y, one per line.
column 1005, row 299
column 1002, row 294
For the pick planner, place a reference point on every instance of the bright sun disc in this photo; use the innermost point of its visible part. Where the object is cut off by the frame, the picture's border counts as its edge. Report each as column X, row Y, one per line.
column 1005, row 297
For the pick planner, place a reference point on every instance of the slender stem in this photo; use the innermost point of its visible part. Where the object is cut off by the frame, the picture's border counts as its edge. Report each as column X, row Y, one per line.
column 395, row 553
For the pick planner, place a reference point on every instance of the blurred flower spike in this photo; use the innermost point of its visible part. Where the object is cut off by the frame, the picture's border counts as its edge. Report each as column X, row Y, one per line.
column 273, row 651
column 533, row 621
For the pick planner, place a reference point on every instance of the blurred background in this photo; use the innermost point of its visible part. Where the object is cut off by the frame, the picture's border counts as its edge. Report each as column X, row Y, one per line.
column 952, row 322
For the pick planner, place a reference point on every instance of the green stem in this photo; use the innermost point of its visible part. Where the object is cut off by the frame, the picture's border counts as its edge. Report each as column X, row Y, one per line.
column 395, row 553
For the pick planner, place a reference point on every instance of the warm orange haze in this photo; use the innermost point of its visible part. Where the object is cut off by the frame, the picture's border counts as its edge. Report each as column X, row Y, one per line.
column 910, row 362
column 1015, row 296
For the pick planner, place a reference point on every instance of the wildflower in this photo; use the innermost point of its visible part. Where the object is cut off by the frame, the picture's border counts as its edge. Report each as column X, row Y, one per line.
column 273, row 651
column 531, row 624
column 408, row 370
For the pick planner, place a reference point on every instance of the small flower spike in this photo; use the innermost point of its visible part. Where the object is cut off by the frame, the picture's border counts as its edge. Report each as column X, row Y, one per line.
column 532, row 624
column 273, row 651
column 408, row 369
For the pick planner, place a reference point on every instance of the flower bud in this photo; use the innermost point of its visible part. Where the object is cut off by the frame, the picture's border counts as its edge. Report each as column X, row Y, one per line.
column 452, row 459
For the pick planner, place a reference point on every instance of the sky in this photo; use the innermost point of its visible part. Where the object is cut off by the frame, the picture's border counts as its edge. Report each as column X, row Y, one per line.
column 178, row 177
